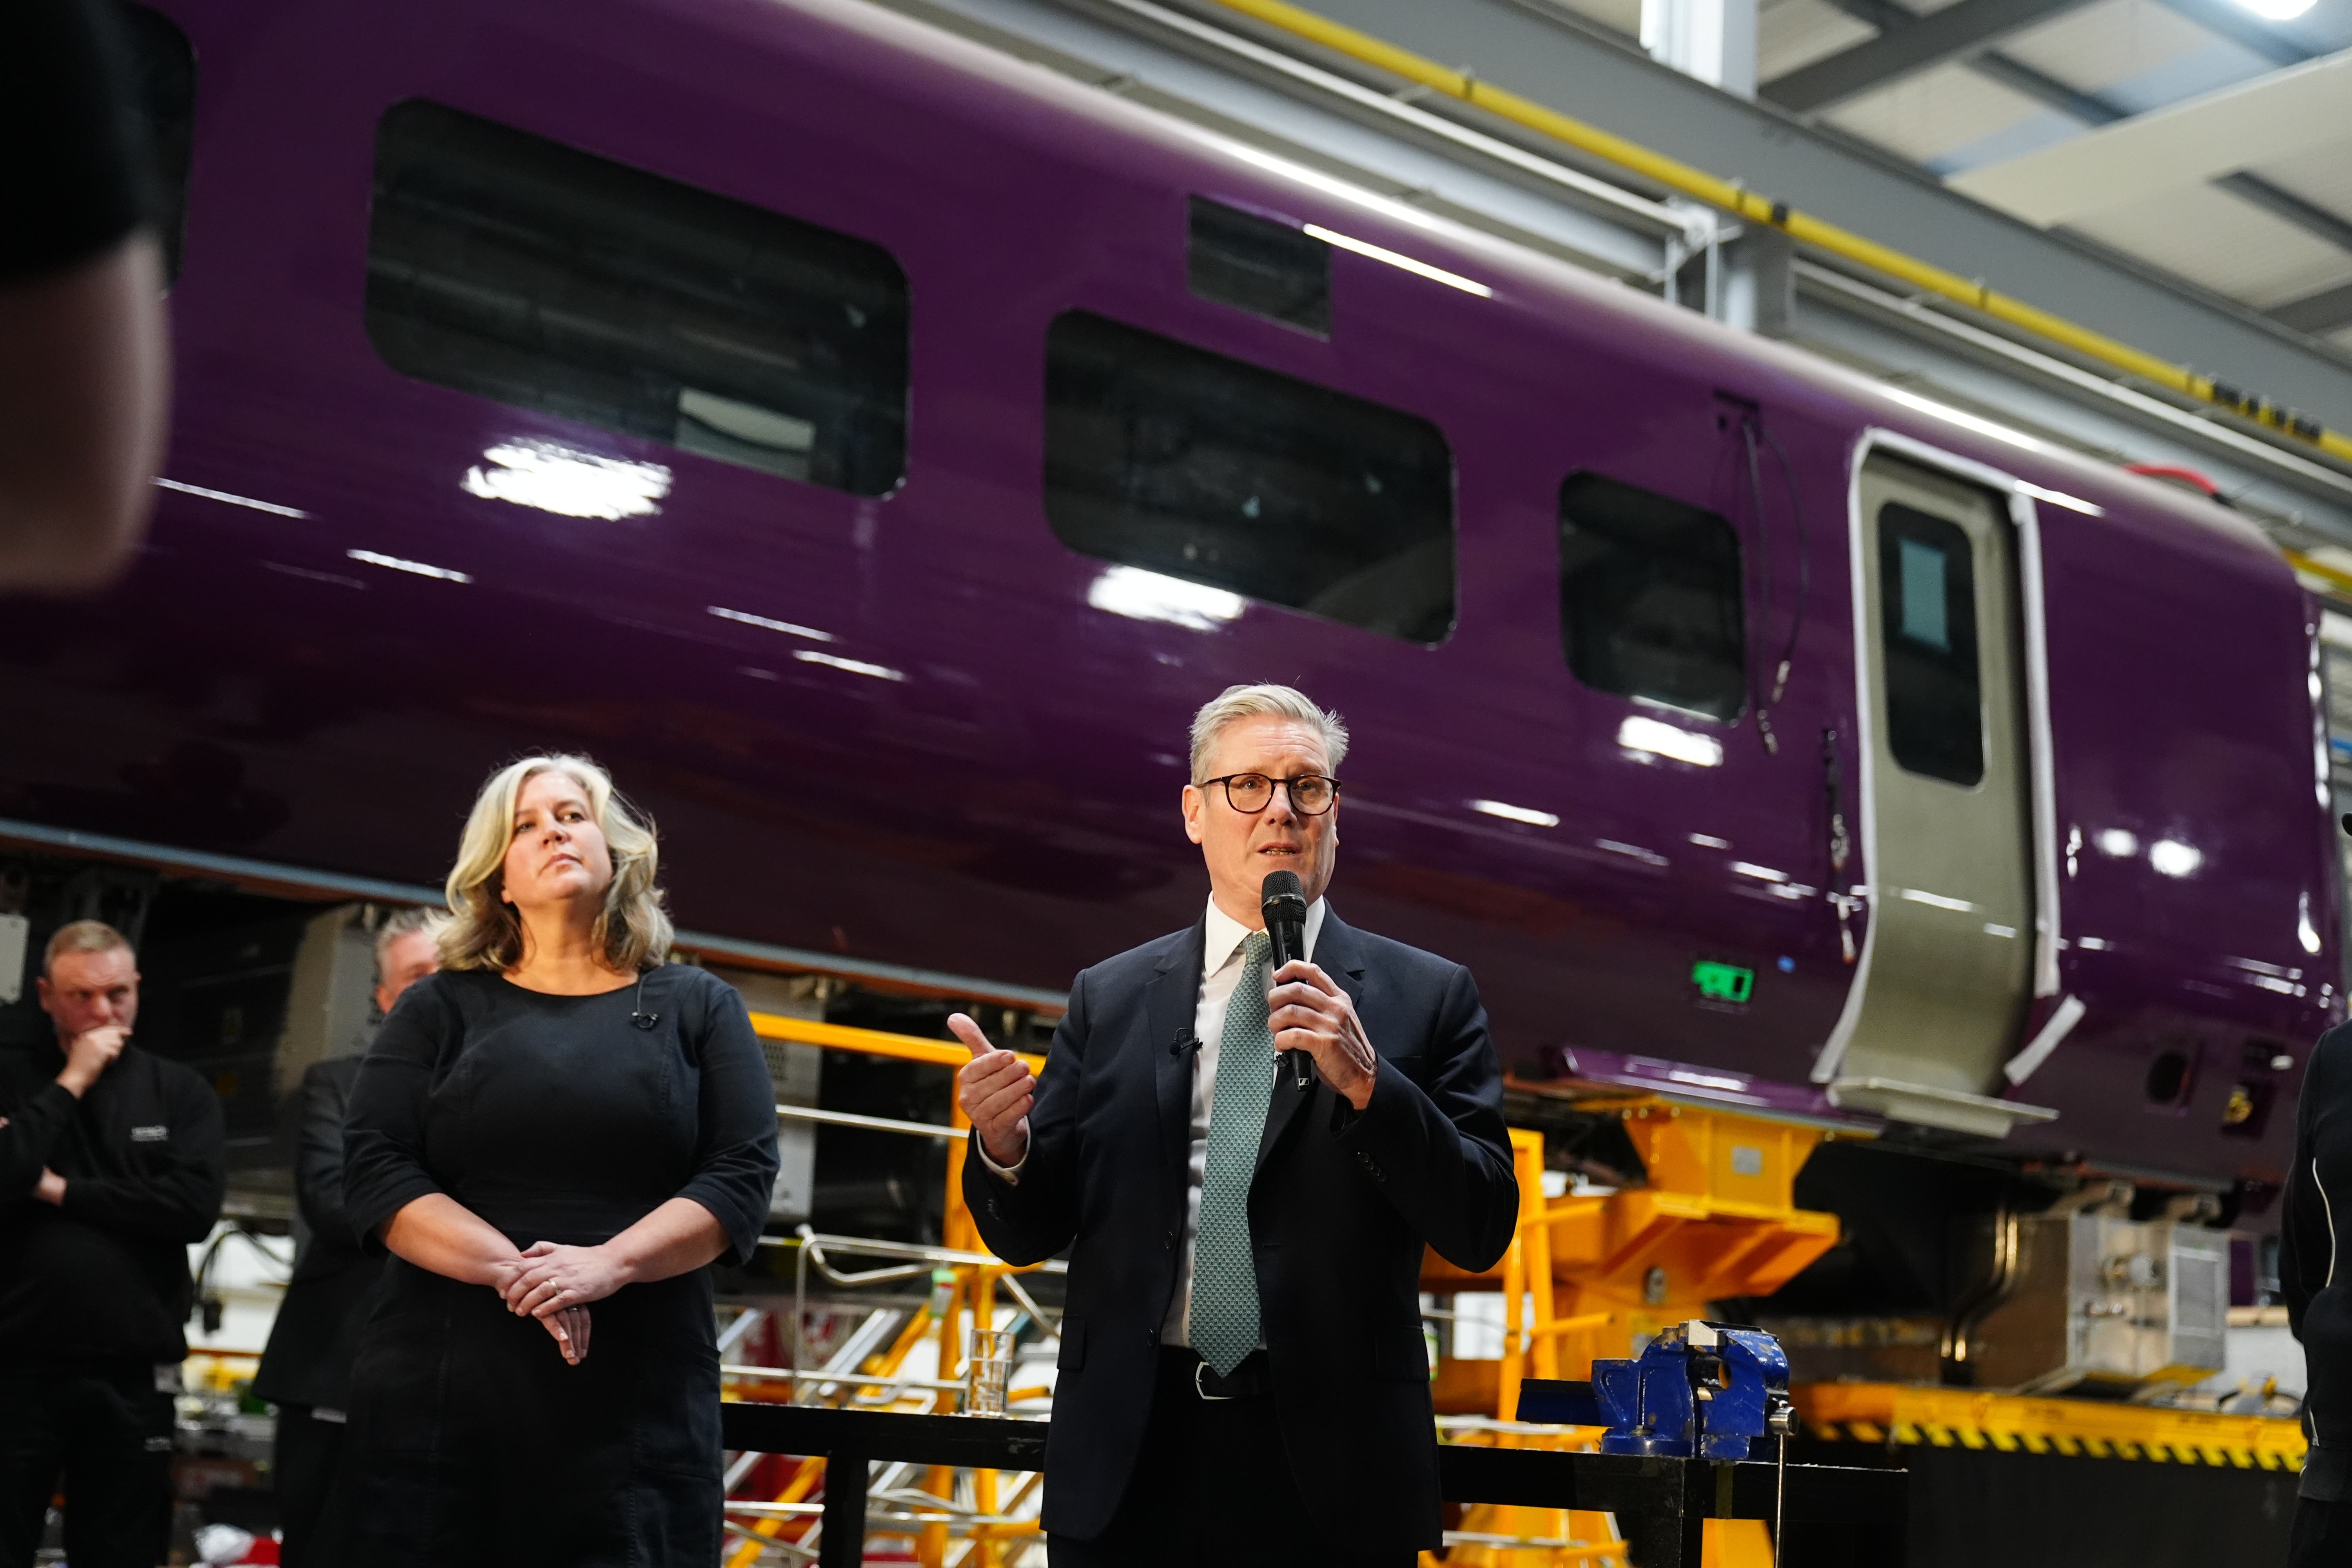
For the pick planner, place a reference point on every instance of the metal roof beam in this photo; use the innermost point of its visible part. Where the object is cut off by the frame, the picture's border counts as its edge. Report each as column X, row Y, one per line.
column 2322, row 313
column 1953, row 33
column 2207, row 138
column 2279, row 202
column 2092, row 110
column 2018, row 76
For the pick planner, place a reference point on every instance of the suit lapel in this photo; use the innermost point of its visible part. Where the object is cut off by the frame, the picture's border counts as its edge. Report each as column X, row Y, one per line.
column 1339, row 955
column 1171, row 998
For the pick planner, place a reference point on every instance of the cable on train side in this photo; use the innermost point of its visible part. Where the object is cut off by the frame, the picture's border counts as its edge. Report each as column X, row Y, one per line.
column 1752, row 431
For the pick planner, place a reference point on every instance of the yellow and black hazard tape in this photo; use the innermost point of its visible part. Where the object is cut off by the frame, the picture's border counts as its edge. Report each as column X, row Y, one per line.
column 1884, row 1413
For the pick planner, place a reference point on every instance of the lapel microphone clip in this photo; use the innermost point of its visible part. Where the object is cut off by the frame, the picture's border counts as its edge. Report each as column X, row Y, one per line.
column 638, row 1016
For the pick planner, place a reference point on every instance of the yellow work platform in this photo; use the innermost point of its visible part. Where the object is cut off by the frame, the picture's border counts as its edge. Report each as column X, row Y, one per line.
column 2013, row 1423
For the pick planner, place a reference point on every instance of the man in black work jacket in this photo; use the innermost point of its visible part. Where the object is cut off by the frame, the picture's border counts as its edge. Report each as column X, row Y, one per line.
column 111, row 1163
column 307, row 1370
column 1242, row 1372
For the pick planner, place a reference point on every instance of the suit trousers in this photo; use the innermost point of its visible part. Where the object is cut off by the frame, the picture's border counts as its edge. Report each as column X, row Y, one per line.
column 314, row 1493
column 105, row 1431
column 2321, row 1536
column 1211, row 1489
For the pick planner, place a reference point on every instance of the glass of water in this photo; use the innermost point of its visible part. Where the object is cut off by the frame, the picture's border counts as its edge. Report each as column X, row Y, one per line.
column 987, row 1371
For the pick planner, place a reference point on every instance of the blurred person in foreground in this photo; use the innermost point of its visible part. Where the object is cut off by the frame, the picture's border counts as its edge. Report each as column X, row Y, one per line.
column 2315, row 1221
column 112, row 1163
column 84, row 377
column 1243, row 1374
column 307, row 1370
column 555, row 1136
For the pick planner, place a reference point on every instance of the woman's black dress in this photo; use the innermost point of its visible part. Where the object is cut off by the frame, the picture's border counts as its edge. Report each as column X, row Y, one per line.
column 555, row 1119
column 2316, row 1280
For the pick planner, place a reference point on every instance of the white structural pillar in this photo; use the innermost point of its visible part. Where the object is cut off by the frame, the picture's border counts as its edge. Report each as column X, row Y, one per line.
column 1714, row 40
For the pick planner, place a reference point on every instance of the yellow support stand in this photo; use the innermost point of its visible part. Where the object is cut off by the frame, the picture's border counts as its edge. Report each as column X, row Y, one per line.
column 1588, row 1275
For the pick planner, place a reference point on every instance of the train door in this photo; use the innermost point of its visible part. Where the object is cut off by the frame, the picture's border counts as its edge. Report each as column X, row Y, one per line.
column 1946, row 969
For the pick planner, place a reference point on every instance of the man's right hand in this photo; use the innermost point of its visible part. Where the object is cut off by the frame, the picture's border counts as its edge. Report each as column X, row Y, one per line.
column 995, row 1088
column 90, row 1054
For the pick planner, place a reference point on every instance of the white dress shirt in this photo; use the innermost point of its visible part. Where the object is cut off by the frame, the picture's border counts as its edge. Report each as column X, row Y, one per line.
column 1220, row 975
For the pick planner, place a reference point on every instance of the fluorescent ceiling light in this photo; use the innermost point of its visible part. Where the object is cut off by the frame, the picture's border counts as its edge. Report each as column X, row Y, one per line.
column 1516, row 812
column 2277, row 10
column 1937, row 901
column 1639, row 734
column 1141, row 595
column 749, row 619
column 417, row 568
column 854, row 666
column 570, row 483
column 1419, row 269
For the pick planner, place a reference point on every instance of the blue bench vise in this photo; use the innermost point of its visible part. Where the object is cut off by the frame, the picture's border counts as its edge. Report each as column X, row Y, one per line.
column 1699, row 1390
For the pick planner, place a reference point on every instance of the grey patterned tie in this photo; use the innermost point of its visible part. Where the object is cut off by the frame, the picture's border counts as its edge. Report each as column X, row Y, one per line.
column 1224, row 1324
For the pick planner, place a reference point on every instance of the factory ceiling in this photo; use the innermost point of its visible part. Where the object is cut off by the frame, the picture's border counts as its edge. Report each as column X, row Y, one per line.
column 2203, row 137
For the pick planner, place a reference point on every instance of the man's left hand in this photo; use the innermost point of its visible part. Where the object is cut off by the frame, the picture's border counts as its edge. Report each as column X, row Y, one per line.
column 51, row 1188
column 1307, row 1010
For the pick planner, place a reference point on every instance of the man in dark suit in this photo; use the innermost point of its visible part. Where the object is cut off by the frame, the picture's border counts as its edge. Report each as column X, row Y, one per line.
column 1242, row 1372
column 307, row 1370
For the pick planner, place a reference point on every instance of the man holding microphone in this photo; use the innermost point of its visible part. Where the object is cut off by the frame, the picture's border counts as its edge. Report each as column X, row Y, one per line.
column 1242, row 1372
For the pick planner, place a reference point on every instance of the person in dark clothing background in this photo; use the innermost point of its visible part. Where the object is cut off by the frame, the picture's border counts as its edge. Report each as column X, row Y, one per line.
column 555, row 1136
column 112, row 1162
column 84, row 377
column 2318, row 1187
column 307, row 1370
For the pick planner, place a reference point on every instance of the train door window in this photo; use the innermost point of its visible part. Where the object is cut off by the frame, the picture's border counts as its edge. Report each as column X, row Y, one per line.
column 507, row 264
column 1650, row 597
column 1269, row 269
column 1186, row 463
column 1935, row 706
column 164, row 68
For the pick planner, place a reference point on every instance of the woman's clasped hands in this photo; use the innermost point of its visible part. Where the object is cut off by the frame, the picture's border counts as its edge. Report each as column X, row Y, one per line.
column 554, row 1283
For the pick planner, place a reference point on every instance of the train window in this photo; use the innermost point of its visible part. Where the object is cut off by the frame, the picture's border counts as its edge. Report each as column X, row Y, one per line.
column 1927, row 615
column 503, row 264
column 1650, row 597
column 164, row 65
column 1193, row 465
column 1270, row 269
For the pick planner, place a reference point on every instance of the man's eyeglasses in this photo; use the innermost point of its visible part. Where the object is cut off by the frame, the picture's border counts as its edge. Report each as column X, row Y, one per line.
column 1311, row 794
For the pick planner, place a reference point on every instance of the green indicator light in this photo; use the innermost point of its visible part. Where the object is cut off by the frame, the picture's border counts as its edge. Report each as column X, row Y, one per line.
column 1722, row 982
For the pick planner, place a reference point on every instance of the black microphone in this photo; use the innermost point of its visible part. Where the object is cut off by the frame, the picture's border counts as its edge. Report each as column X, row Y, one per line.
column 1284, row 904
column 1185, row 1041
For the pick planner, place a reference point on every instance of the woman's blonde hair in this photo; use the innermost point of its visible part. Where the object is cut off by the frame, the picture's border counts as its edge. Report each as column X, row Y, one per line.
column 485, row 931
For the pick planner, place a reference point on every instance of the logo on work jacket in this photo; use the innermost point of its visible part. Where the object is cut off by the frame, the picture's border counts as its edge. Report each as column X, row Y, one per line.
column 156, row 1134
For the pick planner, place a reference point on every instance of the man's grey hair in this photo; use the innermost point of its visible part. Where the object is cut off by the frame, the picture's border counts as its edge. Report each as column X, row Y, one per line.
column 398, row 925
column 1235, row 703
column 82, row 936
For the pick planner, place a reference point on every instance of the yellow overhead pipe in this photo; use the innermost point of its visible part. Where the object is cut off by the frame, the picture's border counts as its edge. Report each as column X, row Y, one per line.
column 1737, row 199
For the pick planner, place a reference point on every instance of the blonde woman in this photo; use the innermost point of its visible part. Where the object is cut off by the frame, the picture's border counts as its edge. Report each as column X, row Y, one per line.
column 553, row 1136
